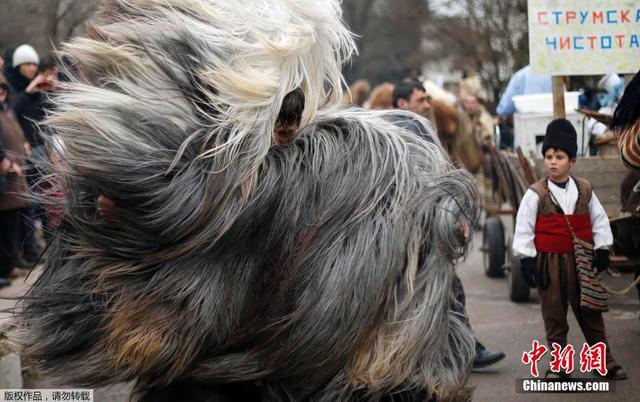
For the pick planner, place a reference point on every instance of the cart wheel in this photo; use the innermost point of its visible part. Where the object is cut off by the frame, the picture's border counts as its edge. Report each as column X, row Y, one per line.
column 493, row 247
column 518, row 288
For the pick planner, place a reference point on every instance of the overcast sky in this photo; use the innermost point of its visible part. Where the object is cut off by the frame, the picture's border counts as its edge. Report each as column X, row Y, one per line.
column 442, row 7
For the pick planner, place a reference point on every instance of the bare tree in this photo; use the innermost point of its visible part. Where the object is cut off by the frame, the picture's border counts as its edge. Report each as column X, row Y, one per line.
column 62, row 17
column 42, row 23
column 389, row 37
column 358, row 13
column 489, row 37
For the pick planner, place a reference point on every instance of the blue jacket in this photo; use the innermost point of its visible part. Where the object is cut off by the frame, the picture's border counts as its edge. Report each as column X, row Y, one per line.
column 523, row 82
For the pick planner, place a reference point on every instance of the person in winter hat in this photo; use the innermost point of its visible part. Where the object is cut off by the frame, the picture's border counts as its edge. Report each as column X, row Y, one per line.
column 31, row 82
column 561, row 135
column 21, row 67
column 544, row 242
column 25, row 54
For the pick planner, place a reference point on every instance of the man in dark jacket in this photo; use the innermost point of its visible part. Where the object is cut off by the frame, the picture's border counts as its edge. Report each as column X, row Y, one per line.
column 411, row 96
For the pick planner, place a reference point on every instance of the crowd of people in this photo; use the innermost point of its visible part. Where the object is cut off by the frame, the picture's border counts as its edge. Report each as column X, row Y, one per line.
column 464, row 128
column 463, row 124
column 25, row 82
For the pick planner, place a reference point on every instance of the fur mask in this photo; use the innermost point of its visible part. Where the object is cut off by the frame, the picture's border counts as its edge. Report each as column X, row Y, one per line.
column 318, row 270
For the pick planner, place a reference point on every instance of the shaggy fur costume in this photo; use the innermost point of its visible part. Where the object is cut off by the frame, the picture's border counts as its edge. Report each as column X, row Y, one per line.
column 319, row 270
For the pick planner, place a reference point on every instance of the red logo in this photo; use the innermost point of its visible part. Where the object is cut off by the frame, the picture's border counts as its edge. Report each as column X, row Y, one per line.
column 591, row 358
column 532, row 357
column 562, row 359
column 594, row 358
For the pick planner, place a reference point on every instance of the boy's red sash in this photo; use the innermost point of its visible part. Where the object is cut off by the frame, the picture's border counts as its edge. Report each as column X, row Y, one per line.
column 553, row 236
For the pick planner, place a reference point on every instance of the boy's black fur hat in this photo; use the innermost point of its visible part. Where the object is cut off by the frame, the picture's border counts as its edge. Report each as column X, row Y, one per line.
column 561, row 135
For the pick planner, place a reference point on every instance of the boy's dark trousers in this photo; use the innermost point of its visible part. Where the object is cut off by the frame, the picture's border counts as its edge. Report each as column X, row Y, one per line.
column 563, row 288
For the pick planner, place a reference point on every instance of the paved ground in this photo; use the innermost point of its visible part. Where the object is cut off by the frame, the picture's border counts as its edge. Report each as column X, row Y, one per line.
column 503, row 325
column 499, row 324
column 117, row 393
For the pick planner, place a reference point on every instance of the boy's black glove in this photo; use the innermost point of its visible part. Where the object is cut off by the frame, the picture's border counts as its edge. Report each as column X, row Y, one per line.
column 601, row 259
column 528, row 270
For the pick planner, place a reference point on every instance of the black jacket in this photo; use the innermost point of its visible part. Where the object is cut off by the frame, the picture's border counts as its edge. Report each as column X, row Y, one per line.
column 412, row 125
column 30, row 110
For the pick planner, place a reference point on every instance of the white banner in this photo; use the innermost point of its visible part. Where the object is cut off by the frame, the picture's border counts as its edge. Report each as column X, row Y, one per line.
column 584, row 37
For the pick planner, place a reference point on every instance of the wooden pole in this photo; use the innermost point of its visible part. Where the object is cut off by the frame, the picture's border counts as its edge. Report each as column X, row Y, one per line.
column 558, row 97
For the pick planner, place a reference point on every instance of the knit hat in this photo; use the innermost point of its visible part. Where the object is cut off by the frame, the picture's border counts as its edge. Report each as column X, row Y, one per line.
column 25, row 54
column 561, row 135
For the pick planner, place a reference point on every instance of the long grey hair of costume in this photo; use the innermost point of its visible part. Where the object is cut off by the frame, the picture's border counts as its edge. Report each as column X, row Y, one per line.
column 316, row 270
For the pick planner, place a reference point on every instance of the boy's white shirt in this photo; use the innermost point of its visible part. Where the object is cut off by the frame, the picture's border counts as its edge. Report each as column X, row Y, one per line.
column 523, row 238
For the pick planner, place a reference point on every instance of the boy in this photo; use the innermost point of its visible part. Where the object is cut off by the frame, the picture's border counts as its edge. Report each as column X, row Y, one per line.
column 546, row 249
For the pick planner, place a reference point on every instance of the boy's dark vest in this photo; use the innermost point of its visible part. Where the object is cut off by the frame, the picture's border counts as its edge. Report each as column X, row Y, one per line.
column 552, row 233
